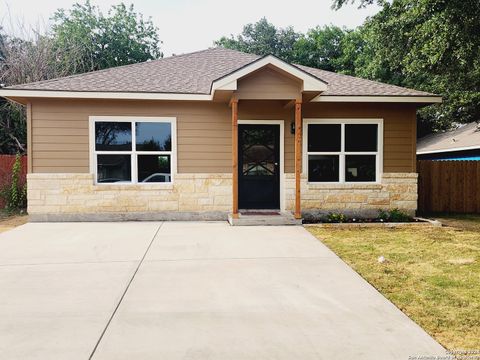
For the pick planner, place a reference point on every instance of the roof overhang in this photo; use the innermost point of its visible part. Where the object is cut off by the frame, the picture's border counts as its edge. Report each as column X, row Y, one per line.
column 13, row 93
column 474, row 147
column 383, row 99
column 16, row 95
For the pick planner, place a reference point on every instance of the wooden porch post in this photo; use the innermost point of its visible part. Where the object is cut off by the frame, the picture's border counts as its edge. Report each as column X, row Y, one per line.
column 29, row 138
column 234, row 105
column 298, row 156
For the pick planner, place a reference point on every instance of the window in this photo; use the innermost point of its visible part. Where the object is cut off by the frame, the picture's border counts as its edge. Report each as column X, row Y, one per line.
column 343, row 150
column 132, row 150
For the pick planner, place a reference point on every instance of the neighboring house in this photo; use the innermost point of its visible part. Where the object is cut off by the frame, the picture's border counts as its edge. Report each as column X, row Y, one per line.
column 462, row 143
column 203, row 134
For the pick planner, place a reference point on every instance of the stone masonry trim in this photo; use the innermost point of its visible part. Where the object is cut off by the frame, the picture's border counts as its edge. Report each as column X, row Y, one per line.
column 202, row 193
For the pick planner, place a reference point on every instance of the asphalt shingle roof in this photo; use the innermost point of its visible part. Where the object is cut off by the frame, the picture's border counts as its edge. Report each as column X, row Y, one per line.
column 195, row 72
column 465, row 136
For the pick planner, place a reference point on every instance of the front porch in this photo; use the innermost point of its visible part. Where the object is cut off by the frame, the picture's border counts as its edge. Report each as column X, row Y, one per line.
column 259, row 154
column 263, row 218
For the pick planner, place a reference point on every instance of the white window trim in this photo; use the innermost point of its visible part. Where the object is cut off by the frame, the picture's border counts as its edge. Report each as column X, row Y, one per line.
column 133, row 152
column 343, row 153
column 282, row 152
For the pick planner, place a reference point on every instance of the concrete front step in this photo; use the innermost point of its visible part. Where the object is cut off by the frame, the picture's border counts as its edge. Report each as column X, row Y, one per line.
column 268, row 218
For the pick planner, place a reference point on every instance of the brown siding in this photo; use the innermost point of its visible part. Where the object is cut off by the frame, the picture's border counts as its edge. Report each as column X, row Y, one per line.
column 60, row 130
column 268, row 84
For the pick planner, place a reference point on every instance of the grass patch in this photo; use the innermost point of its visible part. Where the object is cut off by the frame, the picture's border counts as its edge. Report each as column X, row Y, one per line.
column 431, row 274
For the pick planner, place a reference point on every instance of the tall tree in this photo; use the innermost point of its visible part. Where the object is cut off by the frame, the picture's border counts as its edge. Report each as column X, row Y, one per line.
column 431, row 45
column 263, row 38
column 23, row 61
column 97, row 41
column 320, row 46
column 82, row 39
column 329, row 48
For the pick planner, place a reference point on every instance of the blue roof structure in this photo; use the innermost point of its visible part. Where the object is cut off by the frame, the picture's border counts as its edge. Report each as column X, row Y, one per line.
column 460, row 158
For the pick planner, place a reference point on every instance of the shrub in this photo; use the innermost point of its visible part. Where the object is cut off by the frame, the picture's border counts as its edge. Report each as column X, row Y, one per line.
column 14, row 192
column 336, row 218
column 394, row 215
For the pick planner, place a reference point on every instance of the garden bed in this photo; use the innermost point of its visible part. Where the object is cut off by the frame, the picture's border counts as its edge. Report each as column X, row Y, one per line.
column 384, row 218
column 366, row 223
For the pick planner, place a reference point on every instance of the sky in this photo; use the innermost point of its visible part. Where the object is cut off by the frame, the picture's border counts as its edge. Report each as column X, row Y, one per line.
column 188, row 25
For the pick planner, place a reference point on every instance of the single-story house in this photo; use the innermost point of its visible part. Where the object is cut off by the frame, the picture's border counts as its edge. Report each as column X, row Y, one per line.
column 204, row 134
column 462, row 143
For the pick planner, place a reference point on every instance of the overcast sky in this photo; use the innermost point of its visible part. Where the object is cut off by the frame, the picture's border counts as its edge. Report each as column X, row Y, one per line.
column 188, row 25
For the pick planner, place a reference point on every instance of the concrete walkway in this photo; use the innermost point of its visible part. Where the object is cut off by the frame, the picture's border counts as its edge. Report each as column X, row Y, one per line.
column 190, row 291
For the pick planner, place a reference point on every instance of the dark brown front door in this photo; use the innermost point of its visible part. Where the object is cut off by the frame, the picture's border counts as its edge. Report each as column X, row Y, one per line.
column 258, row 166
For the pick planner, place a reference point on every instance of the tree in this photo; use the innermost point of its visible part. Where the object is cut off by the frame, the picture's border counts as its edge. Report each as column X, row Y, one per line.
column 95, row 41
column 329, row 48
column 263, row 38
column 82, row 39
column 23, row 61
column 337, row 4
column 322, row 47
column 431, row 45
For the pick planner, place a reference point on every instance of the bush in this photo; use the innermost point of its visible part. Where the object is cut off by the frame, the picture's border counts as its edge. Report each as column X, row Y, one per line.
column 336, row 218
column 14, row 193
column 394, row 215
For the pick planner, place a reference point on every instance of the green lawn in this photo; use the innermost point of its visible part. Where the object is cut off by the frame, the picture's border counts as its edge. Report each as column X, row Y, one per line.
column 431, row 274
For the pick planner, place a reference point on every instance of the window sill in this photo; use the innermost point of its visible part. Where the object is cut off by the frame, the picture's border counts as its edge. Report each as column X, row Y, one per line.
column 140, row 186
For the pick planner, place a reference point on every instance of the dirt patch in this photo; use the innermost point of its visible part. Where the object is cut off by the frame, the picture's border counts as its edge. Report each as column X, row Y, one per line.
column 469, row 222
column 11, row 222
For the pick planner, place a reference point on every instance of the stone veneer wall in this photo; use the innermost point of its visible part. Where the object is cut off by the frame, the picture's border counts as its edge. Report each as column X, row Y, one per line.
column 202, row 196
column 396, row 190
column 76, row 197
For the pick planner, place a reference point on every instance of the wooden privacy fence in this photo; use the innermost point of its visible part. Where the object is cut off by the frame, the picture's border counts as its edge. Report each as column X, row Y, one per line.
column 448, row 186
column 6, row 163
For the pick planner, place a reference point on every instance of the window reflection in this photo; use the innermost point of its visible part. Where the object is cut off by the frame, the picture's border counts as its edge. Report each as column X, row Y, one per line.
column 113, row 136
column 151, row 136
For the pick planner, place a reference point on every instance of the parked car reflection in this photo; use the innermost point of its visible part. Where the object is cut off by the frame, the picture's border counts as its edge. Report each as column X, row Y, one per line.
column 154, row 178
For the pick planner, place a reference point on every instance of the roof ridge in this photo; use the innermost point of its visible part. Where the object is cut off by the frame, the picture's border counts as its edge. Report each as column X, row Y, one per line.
column 49, row 81
column 449, row 132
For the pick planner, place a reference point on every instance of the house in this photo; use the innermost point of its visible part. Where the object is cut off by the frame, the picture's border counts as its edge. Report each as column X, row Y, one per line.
column 205, row 134
column 462, row 143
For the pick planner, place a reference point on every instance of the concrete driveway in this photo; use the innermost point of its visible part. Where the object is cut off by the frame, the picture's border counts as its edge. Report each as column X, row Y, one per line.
column 147, row 290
